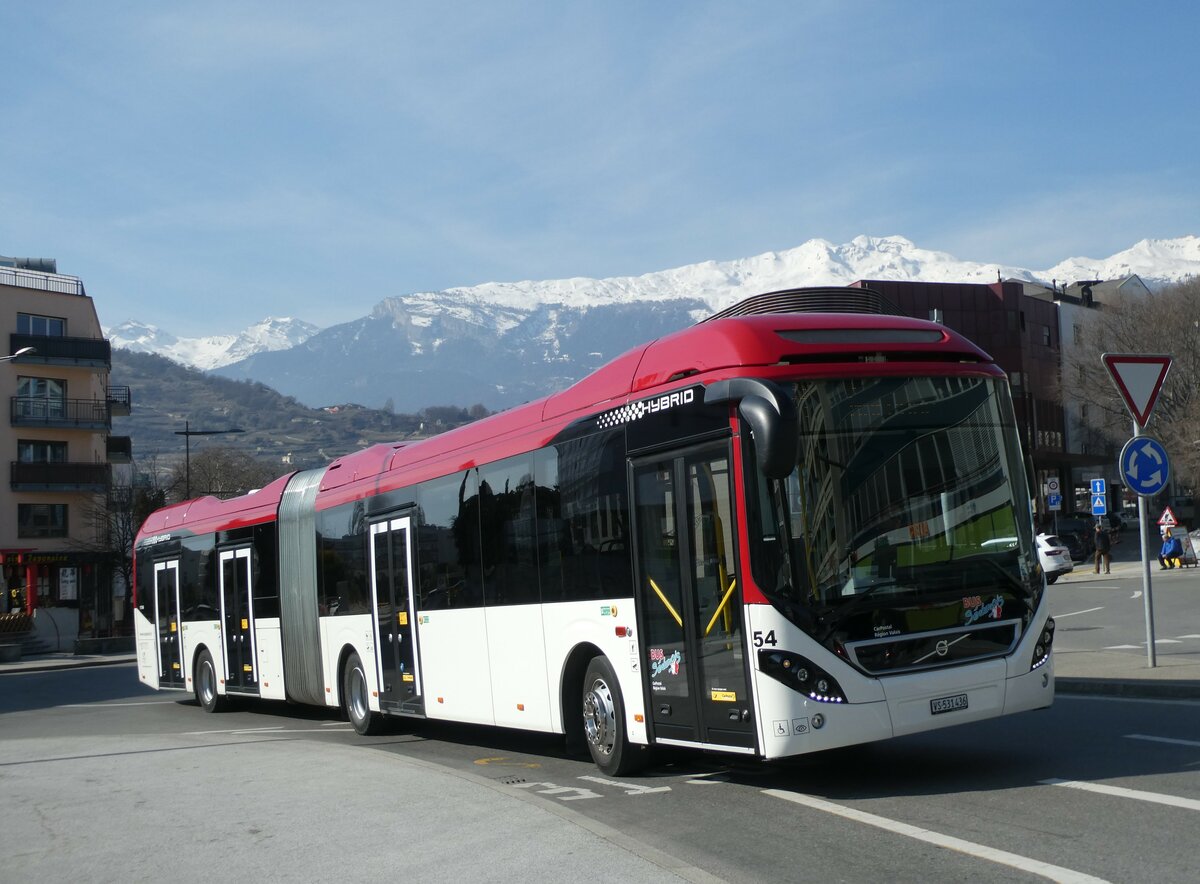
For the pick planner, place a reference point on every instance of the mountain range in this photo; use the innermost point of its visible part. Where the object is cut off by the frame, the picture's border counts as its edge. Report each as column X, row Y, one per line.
column 500, row 344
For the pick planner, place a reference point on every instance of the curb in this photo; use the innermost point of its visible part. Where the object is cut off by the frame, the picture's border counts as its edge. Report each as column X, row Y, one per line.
column 1130, row 688
column 54, row 665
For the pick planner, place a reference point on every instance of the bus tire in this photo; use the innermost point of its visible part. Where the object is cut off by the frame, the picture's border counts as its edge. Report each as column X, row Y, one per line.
column 356, row 699
column 206, row 684
column 603, row 711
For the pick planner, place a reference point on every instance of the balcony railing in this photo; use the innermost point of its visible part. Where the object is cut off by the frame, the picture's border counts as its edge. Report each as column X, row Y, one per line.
column 120, row 449
column 47, row 282
column 56, row 350
column 80, row 414
column 119, row 401
column 61, row 476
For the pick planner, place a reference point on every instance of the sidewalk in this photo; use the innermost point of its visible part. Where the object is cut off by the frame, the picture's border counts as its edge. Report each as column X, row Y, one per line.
column 64, row 660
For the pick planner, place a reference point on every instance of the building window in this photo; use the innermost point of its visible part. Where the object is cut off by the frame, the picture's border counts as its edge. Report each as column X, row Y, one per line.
column 41, row 388
column 46, row 326
column 1078, row 329
column 41, row 398
column 41, row 520
column 35, row 451
column 1046, row 335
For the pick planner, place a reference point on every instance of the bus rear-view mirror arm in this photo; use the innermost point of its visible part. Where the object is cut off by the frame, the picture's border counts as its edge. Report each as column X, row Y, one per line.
column 771, row 414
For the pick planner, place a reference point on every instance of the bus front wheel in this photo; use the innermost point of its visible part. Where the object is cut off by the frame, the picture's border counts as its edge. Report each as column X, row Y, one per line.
column 206, row 684
column 604, row 722
column 355, row 696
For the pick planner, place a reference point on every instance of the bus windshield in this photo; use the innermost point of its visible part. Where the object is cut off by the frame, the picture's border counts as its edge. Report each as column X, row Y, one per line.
column 908, row 495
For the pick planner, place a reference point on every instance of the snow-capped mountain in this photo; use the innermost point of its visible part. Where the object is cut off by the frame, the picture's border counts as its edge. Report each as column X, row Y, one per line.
column 500, row 344
column 216, row 350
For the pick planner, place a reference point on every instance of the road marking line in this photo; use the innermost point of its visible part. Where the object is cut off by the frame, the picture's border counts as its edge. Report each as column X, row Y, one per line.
column 236, row 730
column 1074, row 613
column 101, row 703
column 1122, row 648
column 1170, row 740
column 1136, row 794
column 980, row 851
column 1191, row 635
column 630, row 788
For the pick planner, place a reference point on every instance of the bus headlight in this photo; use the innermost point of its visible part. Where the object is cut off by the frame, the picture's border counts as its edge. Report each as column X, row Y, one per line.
column 1045, row 643
column 801, row 675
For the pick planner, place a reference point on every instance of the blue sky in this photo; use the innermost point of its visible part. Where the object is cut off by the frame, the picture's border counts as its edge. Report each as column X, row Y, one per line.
column 204, row 165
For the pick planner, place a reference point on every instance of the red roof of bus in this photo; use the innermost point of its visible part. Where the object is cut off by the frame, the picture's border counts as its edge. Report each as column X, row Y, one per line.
column 704, row 352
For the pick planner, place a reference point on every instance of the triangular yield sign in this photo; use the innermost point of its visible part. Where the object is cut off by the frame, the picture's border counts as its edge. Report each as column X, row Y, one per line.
column 1139, row 378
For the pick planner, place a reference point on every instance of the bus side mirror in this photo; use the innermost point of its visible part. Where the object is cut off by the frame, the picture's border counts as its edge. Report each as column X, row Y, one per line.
column 771, row 414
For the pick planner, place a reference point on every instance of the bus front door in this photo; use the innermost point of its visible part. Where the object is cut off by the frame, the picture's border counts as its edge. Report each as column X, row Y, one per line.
column 168, row 625
column 693, row 654
column 237, row 622
column 398, row 660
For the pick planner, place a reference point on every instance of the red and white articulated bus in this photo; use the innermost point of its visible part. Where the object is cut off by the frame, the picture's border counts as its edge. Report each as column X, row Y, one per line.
column 774, row 532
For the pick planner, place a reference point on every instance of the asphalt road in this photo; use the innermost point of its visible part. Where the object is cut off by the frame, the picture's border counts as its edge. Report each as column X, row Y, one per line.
column 1096, row 612
column 103, row 780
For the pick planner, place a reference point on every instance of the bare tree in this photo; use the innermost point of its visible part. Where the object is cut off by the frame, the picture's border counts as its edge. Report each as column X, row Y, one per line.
column 1165, row 323
column 117, row 516
column 222, row 472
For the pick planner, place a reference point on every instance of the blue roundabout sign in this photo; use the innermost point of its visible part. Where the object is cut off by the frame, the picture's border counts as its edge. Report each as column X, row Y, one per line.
column 1145, row 466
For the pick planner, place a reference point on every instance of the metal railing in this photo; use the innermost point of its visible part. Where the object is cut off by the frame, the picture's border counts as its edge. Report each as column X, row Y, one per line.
column 119, row 449
column 119, row 400
column 35, row 411
column 54, row 348
column 47, row 282
column 50, row 476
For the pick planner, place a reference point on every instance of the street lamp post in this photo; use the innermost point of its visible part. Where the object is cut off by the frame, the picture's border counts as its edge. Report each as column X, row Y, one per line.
column 187, row 433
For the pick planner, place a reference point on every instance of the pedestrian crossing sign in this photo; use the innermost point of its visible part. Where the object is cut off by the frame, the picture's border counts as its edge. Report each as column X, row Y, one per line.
column 1099, row 505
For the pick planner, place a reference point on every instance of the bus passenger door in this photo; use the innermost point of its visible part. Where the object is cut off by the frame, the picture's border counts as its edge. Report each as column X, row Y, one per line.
column 167, row 624
column 691, row 633
column 399, row 667
column 237, row 621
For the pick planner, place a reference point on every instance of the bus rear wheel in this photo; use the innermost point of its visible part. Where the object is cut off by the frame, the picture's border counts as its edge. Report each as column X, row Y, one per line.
column 604, row 722
column 355, row 696
column 206, row 684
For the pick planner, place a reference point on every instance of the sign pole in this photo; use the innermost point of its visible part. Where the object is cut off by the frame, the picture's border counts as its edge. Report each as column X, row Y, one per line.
column 1147, row 599
column 1139, row 378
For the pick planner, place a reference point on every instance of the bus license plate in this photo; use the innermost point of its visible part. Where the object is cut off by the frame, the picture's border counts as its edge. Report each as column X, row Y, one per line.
column 948, row 704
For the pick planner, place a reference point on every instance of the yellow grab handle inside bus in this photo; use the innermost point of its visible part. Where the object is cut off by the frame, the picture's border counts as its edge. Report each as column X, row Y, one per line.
column 720, row 608
column 663, row 599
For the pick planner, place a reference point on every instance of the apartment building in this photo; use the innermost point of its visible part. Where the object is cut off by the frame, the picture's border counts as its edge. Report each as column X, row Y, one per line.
column 55, row 553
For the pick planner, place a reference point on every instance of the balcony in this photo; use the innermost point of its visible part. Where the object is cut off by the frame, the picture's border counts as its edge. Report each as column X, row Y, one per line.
column 120, row 449
column 65, row 414
column 95, row 477
column 24, row 277
column 54, row 350
column 119, row 401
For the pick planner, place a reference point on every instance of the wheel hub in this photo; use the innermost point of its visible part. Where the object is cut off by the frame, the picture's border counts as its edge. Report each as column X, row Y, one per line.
column 599, row 717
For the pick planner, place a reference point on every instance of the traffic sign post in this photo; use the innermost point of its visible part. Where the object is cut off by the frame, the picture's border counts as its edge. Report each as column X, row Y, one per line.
column 1139, row 379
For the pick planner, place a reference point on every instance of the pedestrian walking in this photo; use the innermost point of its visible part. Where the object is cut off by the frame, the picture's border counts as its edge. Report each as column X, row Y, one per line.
column 1103, row 544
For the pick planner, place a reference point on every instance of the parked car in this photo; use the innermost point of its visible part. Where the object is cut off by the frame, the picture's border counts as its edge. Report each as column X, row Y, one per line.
column 1054, row 556
column 1077, row 534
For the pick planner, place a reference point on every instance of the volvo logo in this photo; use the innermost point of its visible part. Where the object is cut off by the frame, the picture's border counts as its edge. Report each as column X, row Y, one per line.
column 942, row 648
